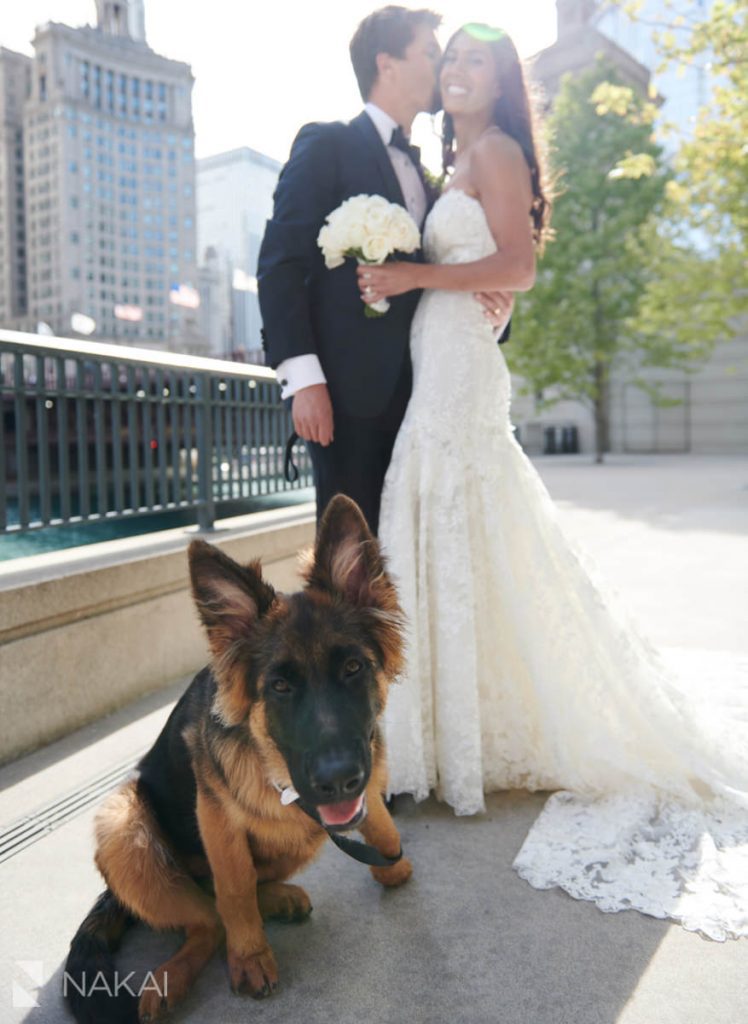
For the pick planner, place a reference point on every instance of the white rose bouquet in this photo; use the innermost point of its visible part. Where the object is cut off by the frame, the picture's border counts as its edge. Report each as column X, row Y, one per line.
column 368, row 228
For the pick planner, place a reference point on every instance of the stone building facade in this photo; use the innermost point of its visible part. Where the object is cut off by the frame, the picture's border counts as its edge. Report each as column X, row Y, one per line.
column 108, row 184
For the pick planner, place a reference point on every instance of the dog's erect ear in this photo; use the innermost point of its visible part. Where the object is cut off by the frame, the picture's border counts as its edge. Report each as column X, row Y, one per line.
column 347, row 558
column 230, row 598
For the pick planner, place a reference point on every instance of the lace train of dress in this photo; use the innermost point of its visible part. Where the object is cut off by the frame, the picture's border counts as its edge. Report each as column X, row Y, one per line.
column 523, row 670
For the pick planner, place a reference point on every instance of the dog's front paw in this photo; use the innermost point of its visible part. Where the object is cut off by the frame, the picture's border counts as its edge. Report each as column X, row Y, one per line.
column 393, row 876
column 253, row 974
column 283, row 902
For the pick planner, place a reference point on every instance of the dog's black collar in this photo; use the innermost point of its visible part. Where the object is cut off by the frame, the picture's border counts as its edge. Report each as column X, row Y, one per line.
column 362, row 852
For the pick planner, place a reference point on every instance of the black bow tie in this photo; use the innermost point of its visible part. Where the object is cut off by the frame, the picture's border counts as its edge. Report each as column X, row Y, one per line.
column 399, row 141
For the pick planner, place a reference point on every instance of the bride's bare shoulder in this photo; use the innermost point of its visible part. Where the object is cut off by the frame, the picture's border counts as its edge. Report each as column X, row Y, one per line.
column 496, row 147
column 498, row 165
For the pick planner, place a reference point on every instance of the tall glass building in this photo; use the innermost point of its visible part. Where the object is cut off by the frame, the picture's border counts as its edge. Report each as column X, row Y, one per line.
column 234, row 200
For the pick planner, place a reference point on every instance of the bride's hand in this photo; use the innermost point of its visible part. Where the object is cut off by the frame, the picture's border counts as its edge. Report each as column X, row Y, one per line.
column 381, row 282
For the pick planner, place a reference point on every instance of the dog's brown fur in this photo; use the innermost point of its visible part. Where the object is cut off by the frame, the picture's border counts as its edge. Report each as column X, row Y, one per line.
column 249, row 843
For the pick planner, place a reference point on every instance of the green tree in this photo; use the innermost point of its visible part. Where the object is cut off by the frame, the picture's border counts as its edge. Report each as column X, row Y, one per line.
column 698, row 252
column 591, row 279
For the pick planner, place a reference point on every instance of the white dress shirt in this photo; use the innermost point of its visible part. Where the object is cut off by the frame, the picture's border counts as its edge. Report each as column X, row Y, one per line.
column 410, row 182
column 302, row 371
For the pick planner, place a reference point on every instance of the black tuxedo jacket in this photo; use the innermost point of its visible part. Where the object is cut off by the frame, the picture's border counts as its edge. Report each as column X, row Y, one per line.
column 306, row 307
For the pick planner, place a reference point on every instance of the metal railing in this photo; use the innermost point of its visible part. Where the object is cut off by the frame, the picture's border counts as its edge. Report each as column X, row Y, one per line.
column 91, row 431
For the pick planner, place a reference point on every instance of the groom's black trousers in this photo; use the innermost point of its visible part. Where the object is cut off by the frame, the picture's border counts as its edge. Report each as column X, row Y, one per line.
column 356, row 461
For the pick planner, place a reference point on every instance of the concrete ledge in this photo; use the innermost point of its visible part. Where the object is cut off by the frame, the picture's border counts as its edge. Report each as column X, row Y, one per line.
column 85, row 631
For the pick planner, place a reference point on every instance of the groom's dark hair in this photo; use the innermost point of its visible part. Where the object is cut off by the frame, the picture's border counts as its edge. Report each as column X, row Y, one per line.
column 389, row 30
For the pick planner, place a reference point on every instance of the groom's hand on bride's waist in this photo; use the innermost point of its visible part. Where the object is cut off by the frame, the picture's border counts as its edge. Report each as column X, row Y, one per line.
column 497, row 307
column 312, row 414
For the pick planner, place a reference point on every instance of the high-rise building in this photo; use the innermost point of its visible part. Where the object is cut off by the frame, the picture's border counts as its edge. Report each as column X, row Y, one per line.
column 234, row 200
column 109, row 183
column 15, row 84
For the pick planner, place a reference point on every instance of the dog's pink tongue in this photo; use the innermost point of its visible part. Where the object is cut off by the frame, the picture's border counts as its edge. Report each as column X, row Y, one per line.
column 339, row 814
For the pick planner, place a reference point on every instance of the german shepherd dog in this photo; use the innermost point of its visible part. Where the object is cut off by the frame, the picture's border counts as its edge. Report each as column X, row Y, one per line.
column 290, row 701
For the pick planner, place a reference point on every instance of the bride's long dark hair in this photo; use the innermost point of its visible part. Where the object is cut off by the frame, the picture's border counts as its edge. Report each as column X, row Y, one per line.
column 514, row 113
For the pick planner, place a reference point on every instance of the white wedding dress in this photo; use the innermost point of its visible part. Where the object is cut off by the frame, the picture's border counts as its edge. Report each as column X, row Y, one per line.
column 522, row 671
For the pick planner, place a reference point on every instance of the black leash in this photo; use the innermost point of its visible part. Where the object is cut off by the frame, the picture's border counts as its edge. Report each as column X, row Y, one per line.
column 361, row 852
column 290, row 469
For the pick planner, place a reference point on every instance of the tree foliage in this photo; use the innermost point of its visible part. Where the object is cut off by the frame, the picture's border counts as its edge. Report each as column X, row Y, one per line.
column 660, row 282
column 574, row 323
column 699, row 253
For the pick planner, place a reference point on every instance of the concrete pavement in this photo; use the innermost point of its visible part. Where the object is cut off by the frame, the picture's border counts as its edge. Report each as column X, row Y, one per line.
column 467, row 940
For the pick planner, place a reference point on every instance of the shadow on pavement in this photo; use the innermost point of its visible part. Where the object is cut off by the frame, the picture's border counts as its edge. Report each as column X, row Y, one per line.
column 465, row 940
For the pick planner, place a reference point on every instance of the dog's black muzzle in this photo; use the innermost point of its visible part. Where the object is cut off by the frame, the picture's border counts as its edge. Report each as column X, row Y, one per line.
column 332, row 780
column 335, row 775
column 331, row 786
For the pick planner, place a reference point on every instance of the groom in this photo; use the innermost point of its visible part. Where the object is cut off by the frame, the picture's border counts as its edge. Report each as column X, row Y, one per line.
column 350, row 376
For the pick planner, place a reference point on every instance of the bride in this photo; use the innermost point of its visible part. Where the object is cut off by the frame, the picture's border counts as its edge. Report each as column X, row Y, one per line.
column 522, row 672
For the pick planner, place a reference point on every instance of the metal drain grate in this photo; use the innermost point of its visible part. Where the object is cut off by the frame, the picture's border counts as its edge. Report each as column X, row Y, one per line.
column 29, row 829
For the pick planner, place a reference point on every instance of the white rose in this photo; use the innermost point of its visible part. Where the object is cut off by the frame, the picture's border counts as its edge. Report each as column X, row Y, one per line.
column 376, row 248
column 334, row 259
column 370, row 203
column 404, row 232
column 367, row 225
column 342, row 229
column 330, row 250
column 377, row 219
column 357, row 203
column 352, row 213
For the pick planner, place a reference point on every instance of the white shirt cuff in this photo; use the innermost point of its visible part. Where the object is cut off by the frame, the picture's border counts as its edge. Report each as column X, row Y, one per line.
column 299, row 372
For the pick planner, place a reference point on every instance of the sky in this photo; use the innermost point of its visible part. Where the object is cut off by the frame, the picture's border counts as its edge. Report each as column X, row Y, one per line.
column 264, row 67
